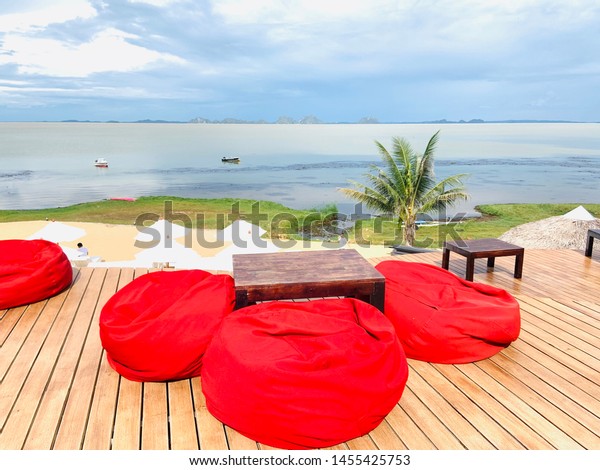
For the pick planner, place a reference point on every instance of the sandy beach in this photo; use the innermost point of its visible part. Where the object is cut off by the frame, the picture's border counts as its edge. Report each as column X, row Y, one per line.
column 120, row 244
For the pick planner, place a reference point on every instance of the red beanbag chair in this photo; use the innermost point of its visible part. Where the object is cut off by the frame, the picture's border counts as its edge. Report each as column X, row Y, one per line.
column 306, row 374
column 32, row 270
column 158, row 326
column 442, row 318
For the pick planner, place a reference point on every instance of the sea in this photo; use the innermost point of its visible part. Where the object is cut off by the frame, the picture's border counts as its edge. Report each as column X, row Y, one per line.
column 45, row 165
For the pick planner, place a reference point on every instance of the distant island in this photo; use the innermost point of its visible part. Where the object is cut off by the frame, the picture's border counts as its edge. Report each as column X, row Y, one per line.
column 311, row 119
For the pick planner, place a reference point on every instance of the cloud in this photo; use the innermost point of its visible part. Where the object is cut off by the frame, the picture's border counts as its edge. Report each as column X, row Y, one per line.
column 156, row 3
column 299, row 11
column 108, row 51
column 409, row 59
column 39, row 14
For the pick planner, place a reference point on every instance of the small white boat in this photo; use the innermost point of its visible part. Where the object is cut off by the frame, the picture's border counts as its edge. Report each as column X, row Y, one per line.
column 101, row 163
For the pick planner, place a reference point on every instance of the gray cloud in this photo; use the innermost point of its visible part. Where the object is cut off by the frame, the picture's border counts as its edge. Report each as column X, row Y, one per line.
column 340, row 60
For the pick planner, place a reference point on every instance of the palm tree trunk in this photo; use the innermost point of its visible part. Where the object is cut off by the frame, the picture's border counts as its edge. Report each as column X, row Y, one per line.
column 410, row 230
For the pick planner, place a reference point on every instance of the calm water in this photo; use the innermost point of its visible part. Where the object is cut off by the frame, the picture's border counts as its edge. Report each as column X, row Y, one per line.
column 51, row 164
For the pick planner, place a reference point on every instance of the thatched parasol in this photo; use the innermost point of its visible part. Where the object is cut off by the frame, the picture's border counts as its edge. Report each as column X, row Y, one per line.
column 567, row 231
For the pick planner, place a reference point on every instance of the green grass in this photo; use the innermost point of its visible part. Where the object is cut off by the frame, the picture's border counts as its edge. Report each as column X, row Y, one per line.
column 203, row 213
column 216, row 213
column 496, row 219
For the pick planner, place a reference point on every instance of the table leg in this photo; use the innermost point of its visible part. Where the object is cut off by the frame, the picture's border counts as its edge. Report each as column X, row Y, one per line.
column 446, row 258
column 519, row 265
column 490, row 262
column 241, row 299
column 470, row 268
column 589, row 245
column 378, row 295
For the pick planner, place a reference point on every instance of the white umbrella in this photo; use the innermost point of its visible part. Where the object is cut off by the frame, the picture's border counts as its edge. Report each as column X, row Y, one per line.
column 58, row 232
column 162, row 232
column 175, row 255
column 223, row 261
column 579, row 213
column 241, row 230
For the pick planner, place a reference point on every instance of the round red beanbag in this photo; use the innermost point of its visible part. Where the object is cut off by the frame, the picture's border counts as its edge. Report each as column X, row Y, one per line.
column 299, row 375
column 158, row 326
column 32, row 270
column 442, row 318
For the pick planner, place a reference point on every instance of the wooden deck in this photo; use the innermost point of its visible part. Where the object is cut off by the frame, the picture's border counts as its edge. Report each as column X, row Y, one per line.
column 57, row 390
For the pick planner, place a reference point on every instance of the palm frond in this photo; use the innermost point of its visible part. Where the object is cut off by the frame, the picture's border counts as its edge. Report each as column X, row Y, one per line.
column 405, row 184
column 370, row 199
column 431, row 146
column 395, row 173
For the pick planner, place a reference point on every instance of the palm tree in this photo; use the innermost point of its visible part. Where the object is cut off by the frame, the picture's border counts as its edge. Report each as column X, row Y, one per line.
column 406, row 186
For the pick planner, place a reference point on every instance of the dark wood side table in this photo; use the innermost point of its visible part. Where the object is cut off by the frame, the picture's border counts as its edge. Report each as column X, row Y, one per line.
column 592, row 233
column 489, row 248
column 306, row 274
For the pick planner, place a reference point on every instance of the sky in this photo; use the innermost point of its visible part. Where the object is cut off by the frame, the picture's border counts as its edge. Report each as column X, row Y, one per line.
column 339, row 60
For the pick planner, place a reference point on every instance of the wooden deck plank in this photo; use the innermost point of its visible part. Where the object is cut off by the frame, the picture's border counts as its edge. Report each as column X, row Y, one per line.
column 561, row 350
column 490, row 430
column 413, row 436
column 18, row 369
column 494, row 408
column 236, row 441
column 155, row 410
column 465, row 431
column 591, row 308
column 99, row 429
column 569, row 432
column 432, row 425
column 101, row 418
column 104, row 407
column 72, row 427
column 16, row 328
column 25, row 405
column 497, row 382
column 528, row 345
column 338, row 447
column 585, row 428
column 54, row 397
column 361, row 443
column 266, row 447
column 155, row 418
column 128, row 417
column 564, row 385
column 384, row 437
column 58, row 391
column 182, row 424
column 566, row 324
column 9, row 318
column 211, row 431
column 573, row 309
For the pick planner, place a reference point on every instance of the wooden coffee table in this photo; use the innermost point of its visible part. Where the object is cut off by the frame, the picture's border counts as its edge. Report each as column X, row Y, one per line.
column 489, row 248
column 306, row 274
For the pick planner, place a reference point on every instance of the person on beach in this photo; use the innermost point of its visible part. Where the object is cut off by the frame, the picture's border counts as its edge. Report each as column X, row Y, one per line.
column 83, row 251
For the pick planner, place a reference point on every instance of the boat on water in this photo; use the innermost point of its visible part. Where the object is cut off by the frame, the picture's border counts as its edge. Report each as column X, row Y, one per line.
column 230, row 159
column 101, row 163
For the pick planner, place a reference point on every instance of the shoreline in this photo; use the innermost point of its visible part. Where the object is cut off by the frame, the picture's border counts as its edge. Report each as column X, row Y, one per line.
column 115, row 244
